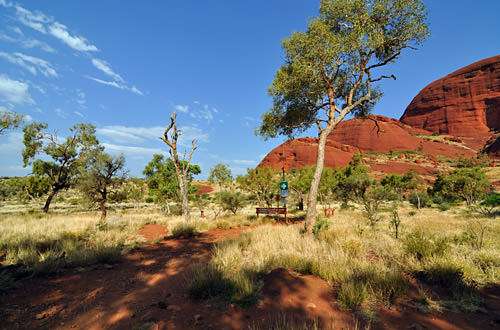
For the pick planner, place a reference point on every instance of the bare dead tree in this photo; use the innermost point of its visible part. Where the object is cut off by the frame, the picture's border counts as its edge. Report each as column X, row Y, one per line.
column 170, row 137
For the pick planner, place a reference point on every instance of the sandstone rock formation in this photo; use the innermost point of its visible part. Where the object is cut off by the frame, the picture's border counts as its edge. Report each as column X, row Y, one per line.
column 465, row 102
column 362, row 135
column 298, row 153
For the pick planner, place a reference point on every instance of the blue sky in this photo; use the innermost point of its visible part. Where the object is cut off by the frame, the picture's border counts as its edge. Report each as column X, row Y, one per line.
column 124, row 66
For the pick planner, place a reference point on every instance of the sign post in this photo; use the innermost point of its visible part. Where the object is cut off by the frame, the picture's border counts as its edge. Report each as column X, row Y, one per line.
column 284, row 194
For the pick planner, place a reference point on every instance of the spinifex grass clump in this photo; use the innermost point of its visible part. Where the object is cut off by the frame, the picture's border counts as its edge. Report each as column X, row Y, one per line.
column 52, row 243
column 185, row 230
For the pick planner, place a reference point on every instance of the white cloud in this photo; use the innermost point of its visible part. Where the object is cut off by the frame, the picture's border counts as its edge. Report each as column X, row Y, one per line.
column 13, row 144
column 138, row 135
column 135, row 135
column 25, row 42
column 181, row 108
column 30, row 63
column 245, row 162
column 133, row 151
column 33, row 43
column 105, row 67
column 14, row 91
column 18, row 61
column 61, row 113
column 78, row 114
column 60, row 31
column 33, row 20
column 116, row 85
column 42, row 65
column 190, row 133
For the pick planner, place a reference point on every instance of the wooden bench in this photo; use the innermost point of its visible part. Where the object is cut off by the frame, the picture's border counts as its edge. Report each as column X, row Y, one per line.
column 270, row 210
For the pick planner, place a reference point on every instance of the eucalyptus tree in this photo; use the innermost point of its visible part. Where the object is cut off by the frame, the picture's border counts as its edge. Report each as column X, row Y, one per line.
column 10, row 120
column 261, row 181
column 67, row 154
column 329, row 69
column 221, row 175
column 100, row 174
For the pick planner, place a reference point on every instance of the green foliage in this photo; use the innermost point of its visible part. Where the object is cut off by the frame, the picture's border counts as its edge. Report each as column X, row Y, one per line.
column 149, row 199
column 328, row 67
column 220, row 174
column 321, row 225
column 352, row 294
column 444, row 206
column 185, row 230
column 490, row 206
column 232, row 201
column 162, row 180
column 10, row 120
column 100, row 174
column 468, row 184
column 423, row 246
column 261, row 181
column 418, row 199
column 68, row 155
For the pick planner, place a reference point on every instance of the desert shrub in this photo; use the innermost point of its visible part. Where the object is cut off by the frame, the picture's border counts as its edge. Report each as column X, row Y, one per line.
column 418, row 199
column 185, row 230
column 149, row 199
column 423, row 246
column 444, row 206
column 384, row 284
column 412, row 213
column 321, row 225
column 208, row 282
column 352, row 294
column 223, row 225
column 232, row 201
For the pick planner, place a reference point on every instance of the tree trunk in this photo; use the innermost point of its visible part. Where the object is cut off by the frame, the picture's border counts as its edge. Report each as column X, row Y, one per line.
column 102, row 206
column 184, row 196
column 313, row 192
column 49, row 200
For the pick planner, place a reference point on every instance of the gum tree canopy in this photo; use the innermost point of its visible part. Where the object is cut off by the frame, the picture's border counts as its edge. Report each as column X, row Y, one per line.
column 330, row 69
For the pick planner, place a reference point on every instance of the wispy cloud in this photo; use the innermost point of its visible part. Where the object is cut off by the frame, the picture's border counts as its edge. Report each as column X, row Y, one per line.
column 106, row 68
column 30, row 63
column 79, row 114
column 133, row 151
column 14, row 91
column 181, row 108
column 25, row 42
column 244, row 162
column 44, row 24
column 61, row 113
column 133, row 89
column 60, row 31
column 138, row 135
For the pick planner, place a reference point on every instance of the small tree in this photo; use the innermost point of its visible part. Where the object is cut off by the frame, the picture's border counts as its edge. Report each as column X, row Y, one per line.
column 261, row 181
column 170, row 137
column 328, row 70
column 221, row 175
column 67, row 154
column 233, row 202
column 162, row 179
column 10, row 120
column 469, row 184
column 101, row 174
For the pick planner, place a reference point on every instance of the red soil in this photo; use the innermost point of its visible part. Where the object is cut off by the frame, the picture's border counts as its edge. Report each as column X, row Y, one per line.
column 153, row 232
column 204, row 190
column 147, row 291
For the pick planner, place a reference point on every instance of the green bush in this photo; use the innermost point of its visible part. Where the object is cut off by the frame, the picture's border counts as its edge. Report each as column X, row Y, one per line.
column 352, row 294
column 321, row 225
column 444, row 206
column 415, row 196
column 149, row 199
column 422, row 246
column 185, row 230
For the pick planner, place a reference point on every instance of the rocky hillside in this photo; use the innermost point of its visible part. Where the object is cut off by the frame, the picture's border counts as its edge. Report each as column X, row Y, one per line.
column 455, row 116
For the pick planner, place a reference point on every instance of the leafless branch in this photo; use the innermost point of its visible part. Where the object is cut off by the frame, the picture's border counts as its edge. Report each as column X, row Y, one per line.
column 384, row 77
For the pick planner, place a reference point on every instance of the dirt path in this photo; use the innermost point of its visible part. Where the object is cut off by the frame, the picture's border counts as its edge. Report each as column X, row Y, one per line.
column 147, row 291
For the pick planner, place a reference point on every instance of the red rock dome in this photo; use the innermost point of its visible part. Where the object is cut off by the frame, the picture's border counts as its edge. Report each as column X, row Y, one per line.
column 465, row 102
